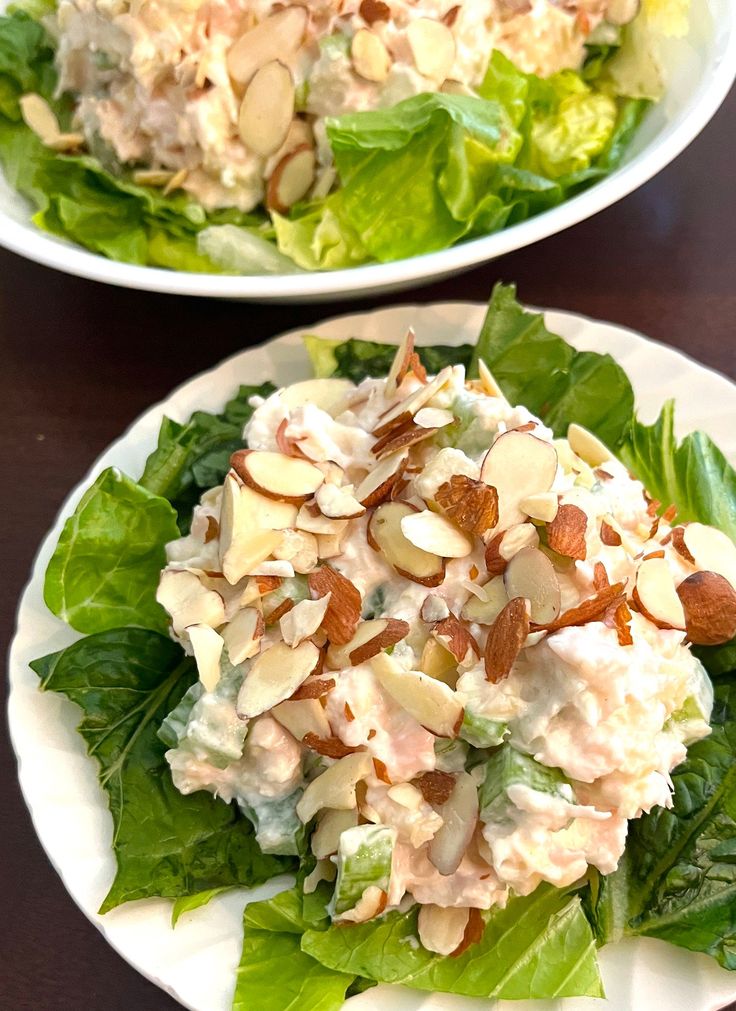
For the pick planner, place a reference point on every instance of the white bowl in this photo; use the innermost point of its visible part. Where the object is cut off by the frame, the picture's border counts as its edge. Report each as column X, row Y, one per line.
column 701, row 70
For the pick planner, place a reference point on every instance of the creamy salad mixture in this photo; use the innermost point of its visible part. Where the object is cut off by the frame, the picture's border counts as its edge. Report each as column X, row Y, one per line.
column 228, row 98
column 453, row 645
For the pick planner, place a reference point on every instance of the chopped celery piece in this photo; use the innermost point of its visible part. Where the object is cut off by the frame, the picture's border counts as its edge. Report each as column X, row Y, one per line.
column 508, row 767
column 213, row 731
column 363, row 860
column 481, row 732
column 692, row 721
column 450, row 754
column 174, row 725
column 278, row 829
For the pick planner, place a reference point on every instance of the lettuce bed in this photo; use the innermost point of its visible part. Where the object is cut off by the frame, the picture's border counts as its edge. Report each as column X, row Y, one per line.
column 678, row 877
column 418, row 177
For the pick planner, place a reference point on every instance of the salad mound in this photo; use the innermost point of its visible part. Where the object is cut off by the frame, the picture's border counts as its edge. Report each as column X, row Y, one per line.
column 252, row 137
column 444, row 657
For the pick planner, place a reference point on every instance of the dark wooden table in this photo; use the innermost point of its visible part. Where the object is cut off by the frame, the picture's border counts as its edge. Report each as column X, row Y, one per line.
column 79, row 361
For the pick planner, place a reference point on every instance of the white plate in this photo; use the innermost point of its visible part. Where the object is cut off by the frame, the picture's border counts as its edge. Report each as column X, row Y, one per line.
column 701, row 70
column 196, row 962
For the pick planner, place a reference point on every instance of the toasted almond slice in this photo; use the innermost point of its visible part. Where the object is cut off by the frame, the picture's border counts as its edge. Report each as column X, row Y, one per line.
column 655, row 594
column 243, row 635
column 433, row 417
column 386, row 536
column 434, row 608
column 282, row 568
column 600, row 576
column 486, row 608
column 707, row 548
column 435, row 786
column 291, row 179
column 488, row 381
column 709, row 603
column 302, row 717
column 330, row 747
column 244, row 543
column 188, row 601
column 207, row 646
column 456, row 638
column 441, row 928
column 299, row 549
column 343, row 611
column 338, row 657
column 587, row 446
column 277, row 476
column 338, row 503
column 566, row 532
column 432, row 703
column 438, row 662
column 377, row 484
column 622, row 624
column 433, row 47
column 506, row 637
column 335, row 787
column 274, row 676
column 530, row 574
column 331, row 825
column 400, row 364
column 303, row 620
column 474, row 931
column 393, row 631
column 459, row 816
column 276, row 37
column 609, row 536
column 517, row 465
column 310, row 519
column 371, row 59
column 503, row 546
column 39, row 117
column 472, row 505
column 435, row 534
column 402, row 438
column 542, row 506
column 374, row 10
column 267, row 109
column 405, row 410
column 329, row 394
column 329, row 546
column 591, row 609
column 315, row 687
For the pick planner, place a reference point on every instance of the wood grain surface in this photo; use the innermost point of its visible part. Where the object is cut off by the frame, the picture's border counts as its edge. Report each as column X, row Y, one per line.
column 79, row 361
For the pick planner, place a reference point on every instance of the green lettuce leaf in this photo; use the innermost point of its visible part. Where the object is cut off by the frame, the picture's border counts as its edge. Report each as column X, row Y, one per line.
column 104, row 571
column 188, row 903
column 540, row 946
column 193, row 457
column 274, row 973
column 356, row 359
column 678, row 880
column 125, row 681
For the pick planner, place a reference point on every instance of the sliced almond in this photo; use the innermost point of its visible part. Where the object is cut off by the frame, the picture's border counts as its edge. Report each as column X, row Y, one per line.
column 152, row 177
column 709, row 603
column 314, row 687
column 310, row 519
column 343, row 611
column 330, row 747
column 292, row 178
column 278, row 36
column 503, row 546
column 299, row 548
column 456, row 638
column 474, row 930
column 472, row 505
column 371, row 59
column 622, row 624
column 441, row 928
column 655, row 594
column 329, row 546
column 543, row 506
column 393, row 630
column 274, row 676
column 459, row 818
column 243, row 635
column 207, row 646
column 433, row 609
column 281, row 568
column 301, row 717
column 267, row 109
column 377, row 484
column 330, row 394
column 277, row 476
column 386, row 536
column 566, row 532
column 433, row 47
column 402, row 438
column 433, row 417
column 432, row 704
column 370, row 905
column 530, row 574
column 404, row 410
column 338, row 657
column 707, row 548
column 435, row 534
column 506, row 637
column 331, row 825
column 587, row 446
column 435, row 786
column 303, row 620
column 609, row 536
column 591, row 609
column 338, row 503
column 374, row 10
column 600, row 576
column 488, row 381
column 486, row 608
column 438, row 662
column 400, row 364
column 517, row 465
column 39, row 117
column 335, row 787
column 188, row 601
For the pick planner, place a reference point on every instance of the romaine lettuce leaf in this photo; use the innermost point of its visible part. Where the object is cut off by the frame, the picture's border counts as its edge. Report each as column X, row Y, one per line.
column 166, row 844
column 539, row 946
column 104, row 571
column 678, row 881
column 188, row 903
